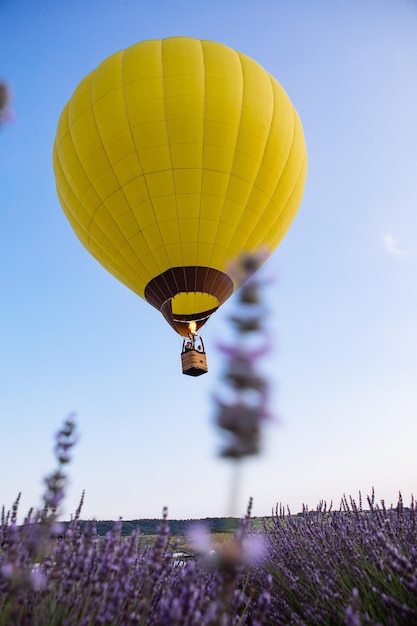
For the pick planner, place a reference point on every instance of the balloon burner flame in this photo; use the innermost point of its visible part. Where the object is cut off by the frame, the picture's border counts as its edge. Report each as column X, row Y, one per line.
column 192, row 327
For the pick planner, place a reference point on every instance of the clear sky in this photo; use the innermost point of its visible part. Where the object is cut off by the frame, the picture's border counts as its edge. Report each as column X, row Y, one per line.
column 343, row 301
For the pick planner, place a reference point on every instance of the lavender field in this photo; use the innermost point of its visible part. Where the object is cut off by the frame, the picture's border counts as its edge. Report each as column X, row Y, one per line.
column 355, row 565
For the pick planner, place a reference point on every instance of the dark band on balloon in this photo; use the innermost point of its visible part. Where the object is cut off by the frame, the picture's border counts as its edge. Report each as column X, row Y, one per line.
column 161, row 289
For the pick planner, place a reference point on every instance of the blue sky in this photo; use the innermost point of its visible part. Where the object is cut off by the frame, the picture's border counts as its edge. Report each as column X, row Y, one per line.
column 342, row 302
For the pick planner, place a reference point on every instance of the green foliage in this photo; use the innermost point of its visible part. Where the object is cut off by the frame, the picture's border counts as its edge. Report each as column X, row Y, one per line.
column 176, row 527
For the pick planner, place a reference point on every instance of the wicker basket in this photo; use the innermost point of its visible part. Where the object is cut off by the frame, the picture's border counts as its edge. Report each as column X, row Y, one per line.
column 194, row 363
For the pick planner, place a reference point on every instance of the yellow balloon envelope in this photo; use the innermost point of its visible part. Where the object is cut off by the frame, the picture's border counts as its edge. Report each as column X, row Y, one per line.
column 172, row 159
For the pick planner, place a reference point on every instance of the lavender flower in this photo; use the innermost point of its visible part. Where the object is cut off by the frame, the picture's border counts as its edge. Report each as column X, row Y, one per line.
column 351, row 566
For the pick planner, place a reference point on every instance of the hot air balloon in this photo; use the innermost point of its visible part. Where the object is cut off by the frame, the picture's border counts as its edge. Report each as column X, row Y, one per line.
column 173, row 158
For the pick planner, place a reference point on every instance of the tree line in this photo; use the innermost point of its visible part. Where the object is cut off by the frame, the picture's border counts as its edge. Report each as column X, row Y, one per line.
column 176, row 527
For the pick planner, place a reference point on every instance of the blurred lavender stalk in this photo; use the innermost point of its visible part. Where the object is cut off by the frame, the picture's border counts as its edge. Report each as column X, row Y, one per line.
column 5, row 113
column 22, row 548
column 241, row 415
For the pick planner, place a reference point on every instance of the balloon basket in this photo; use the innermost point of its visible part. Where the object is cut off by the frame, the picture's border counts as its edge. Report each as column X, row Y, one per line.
column 193, row 357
